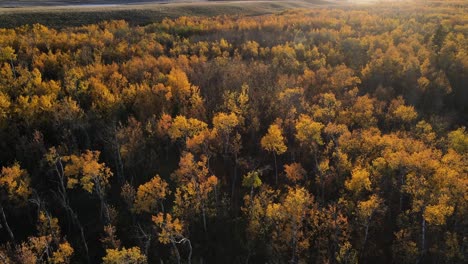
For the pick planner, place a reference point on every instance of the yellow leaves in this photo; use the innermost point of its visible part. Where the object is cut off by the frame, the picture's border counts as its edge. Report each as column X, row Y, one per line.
column 87, row 171
column 273, row 141
column 438, row 213
column 294, row 172
column 223, row 132
column 187, row 167
column 30, row 108
column 63, row 254
column 124, row 256
column 308, row 131
column 103, row 98
column 15, row 182
column 273, row 211
column 360, row 180
column 362, row 112
column 237, row 103
column 327, row 109
column 7, row 54
column 224, row 123
column 250, row 49
column 289, row 218
column 182, row 127
column 424, row 132
column 367, row 208
column 405, row 113
column 48, row 225
column 347, row 254
column 255, row 209
column 196, row 183
column 170, row 228
column 293, row 208
column 150, row 194
column 4, row 106
column 181, row 92
column 401, row 113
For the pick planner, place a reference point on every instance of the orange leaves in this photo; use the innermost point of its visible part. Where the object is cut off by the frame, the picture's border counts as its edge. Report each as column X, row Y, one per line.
column 86, row 171
column 294, row 172
column 194, row 171
column 63, row 254
column 150, row 194
column 196, row 184
column 15, row 182
column 128, row 256
column 179, row 84
column 170, row 228
column 183, row 94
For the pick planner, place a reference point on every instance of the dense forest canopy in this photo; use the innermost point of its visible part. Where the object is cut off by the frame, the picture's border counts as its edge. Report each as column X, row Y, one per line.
column 309, row 136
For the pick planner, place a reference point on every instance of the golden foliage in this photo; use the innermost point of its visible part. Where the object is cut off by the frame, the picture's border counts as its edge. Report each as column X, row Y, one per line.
column 308, row 132
column 273, row 141
column 124, row 256
column 150, row 194
column 294, row 172
column 86, row 171
column 170, row 228
column 16, row 183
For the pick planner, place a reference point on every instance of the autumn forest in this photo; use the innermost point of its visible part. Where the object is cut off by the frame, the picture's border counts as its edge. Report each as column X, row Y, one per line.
column 326, row 135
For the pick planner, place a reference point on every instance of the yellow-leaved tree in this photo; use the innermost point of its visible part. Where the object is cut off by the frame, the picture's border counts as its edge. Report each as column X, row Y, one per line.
column 196, row 183
column 86, row 170
column 124, row 256
column 151, row 195
column 14, row 189
column 273, row 142
column 290, row 218
column 171, row 231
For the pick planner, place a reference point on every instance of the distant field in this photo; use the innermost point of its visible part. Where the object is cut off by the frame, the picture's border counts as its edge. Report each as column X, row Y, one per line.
column 30, row 3
column 75, row 13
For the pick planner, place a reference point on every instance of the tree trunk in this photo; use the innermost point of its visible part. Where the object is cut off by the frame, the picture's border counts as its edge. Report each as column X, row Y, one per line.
column 402, row 182
column 65, row 203
column 5, row 223
column 82, row 235
column 294, row 245
column 366, row 233
column 176, row 250
column 189, row 259
column 204, row 218
column 423, row 236
column 104, row 208
column 276, row 169
column 120, row 167
column 235, row 177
